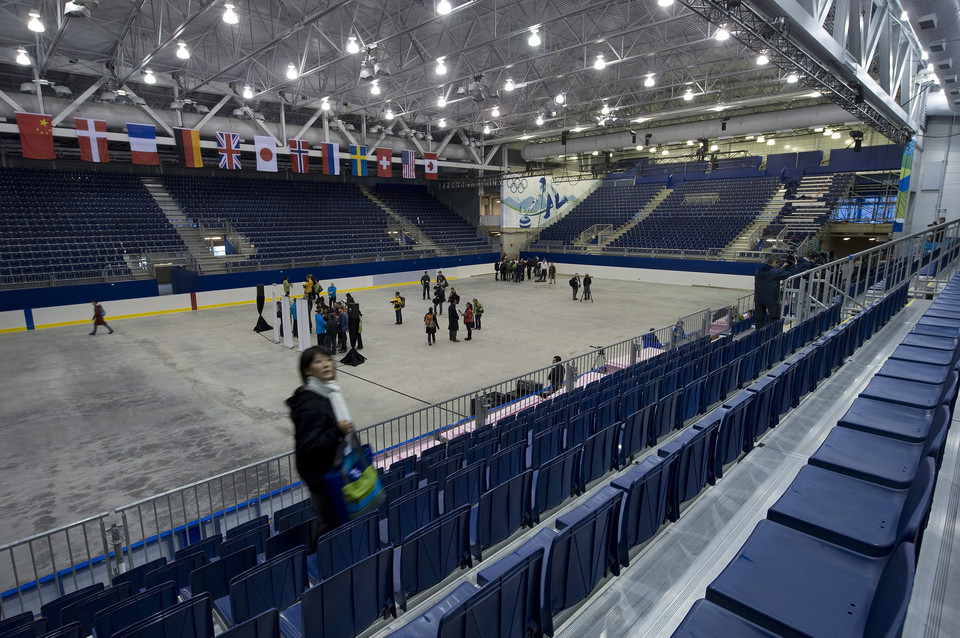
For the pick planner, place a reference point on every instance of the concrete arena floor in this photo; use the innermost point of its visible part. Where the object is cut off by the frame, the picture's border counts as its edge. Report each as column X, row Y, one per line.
column 93, row 423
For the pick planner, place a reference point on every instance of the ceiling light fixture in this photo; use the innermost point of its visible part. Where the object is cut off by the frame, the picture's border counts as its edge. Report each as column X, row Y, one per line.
column 792, row 78
column 665, row 151
column 653, row 149
column 763, row 59
column 690, row 142
column 534, row 39
column 324, row 104
column 441, row 123
column 352, row 46
column 34, row 24
column 22, row 57
column 486, row 129
column 664, row 3
column 827, row 132
column 388, row 115
column 605, row 110
column 760, row 139
column 595, row 153
column 650, row 81
column 815, row 94
column 441, row 67
column 771, row 142
column 148, row 77
column 182, row 51
column 560, row 99
column 229, row 15
column 509, row 85
column 539, row 120
column 714, row 148
column 688, row 95
column 495, row 111
column 444, row 7
column 835, row 136
column 292, row 72
column 375, row 87
column 722, row 34
column 639, row 147
column 749, row 137
column 600, row 63
column 247, row 92
column 441, row 101
column 924, row 55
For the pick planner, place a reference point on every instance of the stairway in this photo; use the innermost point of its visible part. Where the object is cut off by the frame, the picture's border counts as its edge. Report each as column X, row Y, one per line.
column 744, row 242
column 411, row 230
column 639, row 217
column 200, row 249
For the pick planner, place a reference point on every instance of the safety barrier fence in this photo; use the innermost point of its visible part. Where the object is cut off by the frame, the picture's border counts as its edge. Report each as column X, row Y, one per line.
column 926, row 258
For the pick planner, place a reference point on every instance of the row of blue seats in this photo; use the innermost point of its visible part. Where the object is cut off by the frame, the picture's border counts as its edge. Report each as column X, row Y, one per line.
column 560, row 567
column 435, row 531
column 837, row 553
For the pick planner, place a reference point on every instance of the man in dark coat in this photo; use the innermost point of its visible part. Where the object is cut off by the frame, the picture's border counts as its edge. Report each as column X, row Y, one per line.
column 453, row 321
column 766, row 290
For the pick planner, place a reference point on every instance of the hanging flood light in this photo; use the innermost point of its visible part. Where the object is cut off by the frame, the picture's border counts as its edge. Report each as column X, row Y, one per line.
column 352, row 46
column 441, row 101
column 182, row 51
column 444, row 7
column 605, row 110
column 722, row 34
column 324, row 104
column 763, row 59
column 534, row 39
column 486, row 129
column 247, row 92
column 495, row 111
column 600, row 63
column 539, row 120
column 148, row 77
column 375, row 87
column 688, row 95
column 229, row 15
column 650, row 81
column 509, row 85
column 34, row 24
column 441, row 67
column 291, row 72
column 388, row 115
column 22, row 57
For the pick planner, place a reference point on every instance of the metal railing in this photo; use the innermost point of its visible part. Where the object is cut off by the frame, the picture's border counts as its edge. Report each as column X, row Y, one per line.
column 42, row 567
column 858, row 279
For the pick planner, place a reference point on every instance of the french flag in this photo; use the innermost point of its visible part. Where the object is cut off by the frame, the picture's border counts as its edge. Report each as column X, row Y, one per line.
column 143, row 144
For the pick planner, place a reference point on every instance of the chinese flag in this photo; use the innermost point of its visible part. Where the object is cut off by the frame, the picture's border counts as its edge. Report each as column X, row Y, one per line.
column 384, row 165
column 36, row 135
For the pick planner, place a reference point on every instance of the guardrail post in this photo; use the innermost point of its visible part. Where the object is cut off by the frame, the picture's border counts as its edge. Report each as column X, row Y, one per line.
column 480, row 407
column 634, row 353
column 116, row 539
column 571, row 377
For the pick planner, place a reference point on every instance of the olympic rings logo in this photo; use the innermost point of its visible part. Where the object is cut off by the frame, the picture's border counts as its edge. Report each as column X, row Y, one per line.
column 517, row 185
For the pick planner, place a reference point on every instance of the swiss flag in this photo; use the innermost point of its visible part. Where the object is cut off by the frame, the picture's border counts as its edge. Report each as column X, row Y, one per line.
column 36, row 135
column 92, row 135
column 384, row 162
column 430, row 165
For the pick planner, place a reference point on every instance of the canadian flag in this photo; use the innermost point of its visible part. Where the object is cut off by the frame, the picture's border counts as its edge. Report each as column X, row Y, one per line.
column 92, row 135
column 266, row 149
column 384, row 165
column 430, row 165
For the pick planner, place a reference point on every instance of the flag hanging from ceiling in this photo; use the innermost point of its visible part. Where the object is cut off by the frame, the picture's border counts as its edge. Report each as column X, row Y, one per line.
column 384, row 165
column 266, row 148
column 228, row 146
column 430, row 165
column 300, row 156
column 408, row 160
column 188, row 146
column 36, row 135
column 358, row 160
column 92, row 136
column 143, row 144
column 331, row 158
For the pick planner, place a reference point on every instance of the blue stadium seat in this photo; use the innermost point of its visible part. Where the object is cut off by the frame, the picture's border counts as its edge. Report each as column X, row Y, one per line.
column 916, row 371
column 32, row 628
column 667, row 417
column 556, row 481
column 438, row 472
column 600, row 454
column 692, row 465
column 345, row 604
column 347, row 544
column 707, row 620
column 546, row 446
column 503, row 509
column 864, row 517
column 794, row 584
column 241, row 529
column 300, row 535
column 214, row 578
column 428, row 624
column 190, row 619
column 178, row 571
column 292, row 519
column 265, row 625
column 256, row 538
column 136, row 575
column 277, row 583
column 635, row 433
column 646, row 495
column 432, row 552
column 51, row 610
column 411, row 512
column 84, row 609
column 465, row 486
column 902, row 392
column 894, row 420
column 507, row 463
column 732, row 434
column 125, row 613
column 11, row 623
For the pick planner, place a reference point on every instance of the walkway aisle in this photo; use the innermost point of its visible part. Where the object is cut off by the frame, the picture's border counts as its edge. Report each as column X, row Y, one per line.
column 665, row 578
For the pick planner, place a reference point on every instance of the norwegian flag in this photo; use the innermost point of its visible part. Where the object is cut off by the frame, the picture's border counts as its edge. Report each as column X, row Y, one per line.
column 300, row 156
column 228, row 145
column 409, row 164
column 92, row 135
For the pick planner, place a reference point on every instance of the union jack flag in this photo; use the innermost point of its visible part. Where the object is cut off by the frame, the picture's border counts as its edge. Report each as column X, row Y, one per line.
column 228, row 145
column 409, row 166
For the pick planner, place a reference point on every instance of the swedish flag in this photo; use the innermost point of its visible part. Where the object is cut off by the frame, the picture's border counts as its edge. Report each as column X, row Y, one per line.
column 358, row 160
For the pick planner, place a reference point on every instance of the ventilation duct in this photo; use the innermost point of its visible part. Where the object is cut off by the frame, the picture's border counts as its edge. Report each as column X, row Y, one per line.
column 935, row 26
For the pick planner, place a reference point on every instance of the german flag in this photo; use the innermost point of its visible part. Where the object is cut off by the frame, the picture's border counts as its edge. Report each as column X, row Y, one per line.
column 188, row 146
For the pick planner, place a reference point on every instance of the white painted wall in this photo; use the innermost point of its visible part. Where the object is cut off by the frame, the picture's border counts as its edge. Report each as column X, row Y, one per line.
column 937, row 194
column 674, row 277
column 12, row 320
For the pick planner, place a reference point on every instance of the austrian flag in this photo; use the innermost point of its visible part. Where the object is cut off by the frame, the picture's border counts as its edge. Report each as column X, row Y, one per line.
column 92, row 135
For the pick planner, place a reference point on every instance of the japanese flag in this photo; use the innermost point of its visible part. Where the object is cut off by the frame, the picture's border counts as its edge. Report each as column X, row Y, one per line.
column 266, row 149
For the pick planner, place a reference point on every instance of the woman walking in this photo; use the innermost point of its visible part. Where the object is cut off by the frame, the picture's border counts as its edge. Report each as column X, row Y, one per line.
column 468, row 320
column 321, row 420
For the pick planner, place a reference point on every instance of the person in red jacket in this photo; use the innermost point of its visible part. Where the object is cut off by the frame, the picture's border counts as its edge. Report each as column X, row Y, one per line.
column 468, row 320
column 98, row 318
